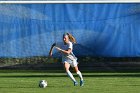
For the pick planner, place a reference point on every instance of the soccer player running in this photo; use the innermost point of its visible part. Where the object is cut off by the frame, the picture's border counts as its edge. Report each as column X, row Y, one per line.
column 68, row 58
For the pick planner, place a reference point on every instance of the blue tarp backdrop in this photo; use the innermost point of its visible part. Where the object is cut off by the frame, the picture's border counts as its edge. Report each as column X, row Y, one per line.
column 108, row 30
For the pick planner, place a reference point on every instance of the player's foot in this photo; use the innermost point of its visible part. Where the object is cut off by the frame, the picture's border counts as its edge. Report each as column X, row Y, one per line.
column 81, row 83
column 75, row 83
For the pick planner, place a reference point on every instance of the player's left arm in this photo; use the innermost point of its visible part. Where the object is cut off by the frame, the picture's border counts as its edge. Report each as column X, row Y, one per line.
column 68, row 51
column 64, row 51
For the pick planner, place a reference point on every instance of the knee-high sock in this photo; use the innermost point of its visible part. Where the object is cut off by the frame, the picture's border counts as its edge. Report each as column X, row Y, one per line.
column 80, row 75
column 71, row 76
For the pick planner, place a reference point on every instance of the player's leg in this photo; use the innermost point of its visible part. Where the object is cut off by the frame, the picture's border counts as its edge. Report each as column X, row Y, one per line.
column 80, row 75
column 67, row 66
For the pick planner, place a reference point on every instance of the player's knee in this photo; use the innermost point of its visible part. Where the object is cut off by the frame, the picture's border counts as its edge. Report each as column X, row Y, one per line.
column 76, row 69
column 66, row 69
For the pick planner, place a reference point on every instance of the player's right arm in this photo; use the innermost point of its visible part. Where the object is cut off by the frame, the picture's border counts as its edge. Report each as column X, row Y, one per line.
column 50, row 53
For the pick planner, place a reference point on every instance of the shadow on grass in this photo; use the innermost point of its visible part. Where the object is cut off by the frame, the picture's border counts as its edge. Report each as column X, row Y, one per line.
column 49, row 86
column 91, row 75
column 16, row 87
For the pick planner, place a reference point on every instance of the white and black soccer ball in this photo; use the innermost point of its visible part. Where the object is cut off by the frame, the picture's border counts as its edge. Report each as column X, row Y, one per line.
column 43, row 84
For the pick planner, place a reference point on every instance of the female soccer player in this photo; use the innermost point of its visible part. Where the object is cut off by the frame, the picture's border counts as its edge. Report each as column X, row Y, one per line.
column 68, row 58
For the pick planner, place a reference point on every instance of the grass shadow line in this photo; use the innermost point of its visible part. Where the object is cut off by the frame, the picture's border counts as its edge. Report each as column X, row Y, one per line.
column 91, row 75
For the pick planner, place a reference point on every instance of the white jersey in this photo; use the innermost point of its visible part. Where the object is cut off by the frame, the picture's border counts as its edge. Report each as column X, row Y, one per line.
column 70, row 58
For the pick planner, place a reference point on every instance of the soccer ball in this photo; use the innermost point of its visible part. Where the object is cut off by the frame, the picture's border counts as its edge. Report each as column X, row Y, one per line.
column 43, row 84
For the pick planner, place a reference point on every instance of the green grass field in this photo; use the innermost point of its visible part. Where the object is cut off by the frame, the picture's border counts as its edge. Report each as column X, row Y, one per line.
column 27, row 82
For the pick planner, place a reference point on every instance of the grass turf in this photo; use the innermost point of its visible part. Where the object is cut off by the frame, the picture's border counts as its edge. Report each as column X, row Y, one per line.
column 27, row 82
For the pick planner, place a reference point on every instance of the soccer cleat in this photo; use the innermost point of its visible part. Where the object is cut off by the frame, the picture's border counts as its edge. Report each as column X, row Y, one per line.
column 75, row 83
column 81, row 83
